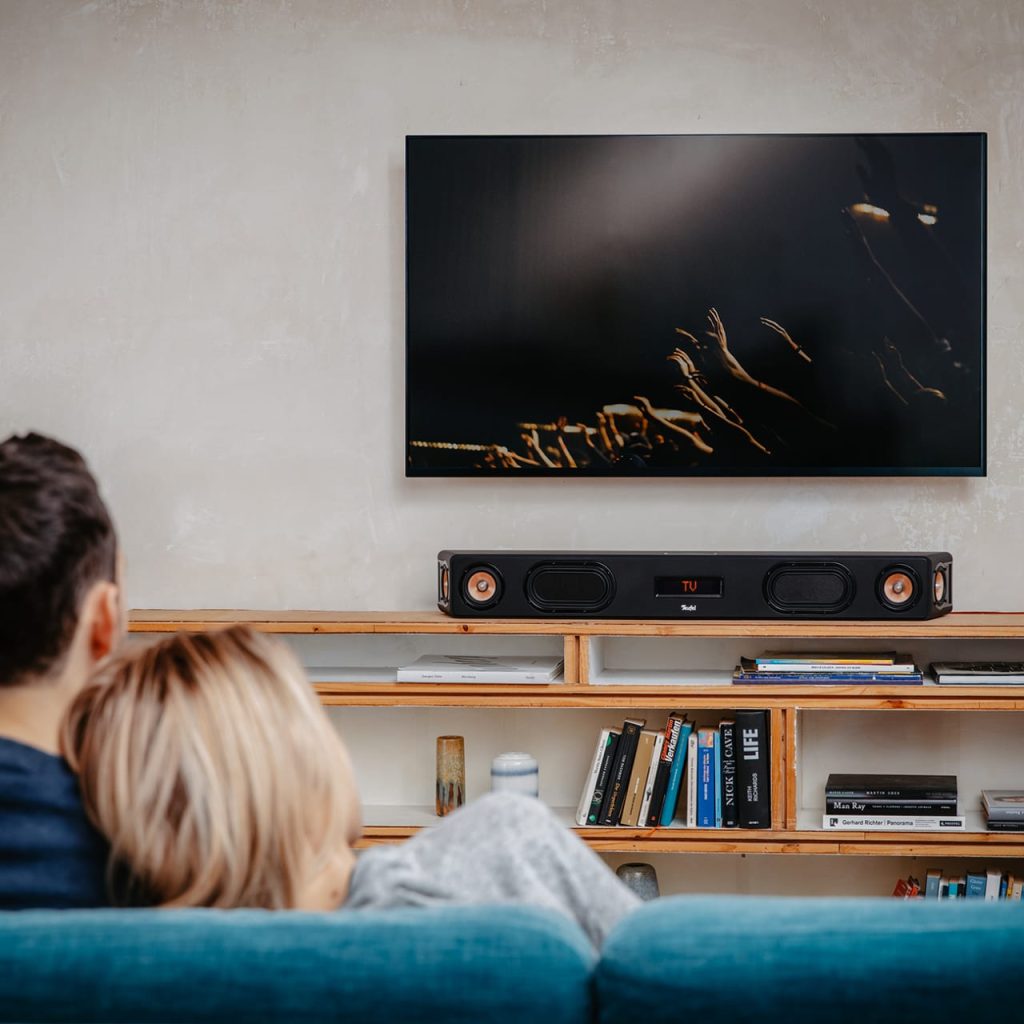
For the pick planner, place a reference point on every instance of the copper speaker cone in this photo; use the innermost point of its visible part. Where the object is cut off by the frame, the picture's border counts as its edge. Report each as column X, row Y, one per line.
column 939, row 585
column 898, row 588
column 481, row 587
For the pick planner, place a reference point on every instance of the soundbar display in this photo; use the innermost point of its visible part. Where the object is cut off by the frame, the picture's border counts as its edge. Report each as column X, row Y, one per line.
column 695, row 585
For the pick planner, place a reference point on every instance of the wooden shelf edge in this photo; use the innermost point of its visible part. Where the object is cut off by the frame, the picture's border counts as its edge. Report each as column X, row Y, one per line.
column 561, row 695
column 957, row 625
column 680, row 840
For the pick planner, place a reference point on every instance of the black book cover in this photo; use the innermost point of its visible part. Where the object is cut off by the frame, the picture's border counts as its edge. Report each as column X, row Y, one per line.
column 727, row 774
column 753, row 797
column 1005, row 826
column 845, row 805
column 622, row 765
column 601, row 788
column 892, row 787
column 668, row 754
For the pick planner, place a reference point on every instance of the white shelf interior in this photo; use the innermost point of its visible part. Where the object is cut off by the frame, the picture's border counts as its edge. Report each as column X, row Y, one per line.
column 983, row 749
column 376, row 658
column 688, row 661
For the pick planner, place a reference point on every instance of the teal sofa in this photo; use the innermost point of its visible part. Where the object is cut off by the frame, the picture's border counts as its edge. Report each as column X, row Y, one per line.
column 707, row 959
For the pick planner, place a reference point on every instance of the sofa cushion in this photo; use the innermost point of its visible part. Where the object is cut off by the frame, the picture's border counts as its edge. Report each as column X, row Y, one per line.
column 474, row 964
column 736, row 959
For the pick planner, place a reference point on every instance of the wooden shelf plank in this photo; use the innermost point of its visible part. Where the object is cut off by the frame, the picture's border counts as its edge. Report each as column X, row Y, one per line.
column 560, row 695
column 392, row 824
column 964, row 625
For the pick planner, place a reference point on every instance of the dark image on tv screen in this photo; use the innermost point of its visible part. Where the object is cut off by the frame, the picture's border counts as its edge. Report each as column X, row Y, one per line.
column 695, row 305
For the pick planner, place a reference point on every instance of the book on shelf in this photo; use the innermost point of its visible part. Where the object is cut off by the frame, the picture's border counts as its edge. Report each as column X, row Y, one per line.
column 815, row 663
column 622, row 765
column 464, row 668
column 727, row 772
column 993, row 883
column 907, row 888
column 835, row 805
column 975, row 886
column 753, row 786
column 706, row 778
column 827, row 679
column 638, row 778
column 932, row 883
column 663, row 799
column 602, row 757
column 692, row 774
column 604, row 776
column 978, row 673
column 1004, row 826
column 878, row 787
column 1003, row 804
column 652, row 773
column 892, row 823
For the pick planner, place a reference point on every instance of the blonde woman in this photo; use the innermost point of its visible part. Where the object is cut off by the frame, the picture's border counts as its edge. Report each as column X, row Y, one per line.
column 212, row 770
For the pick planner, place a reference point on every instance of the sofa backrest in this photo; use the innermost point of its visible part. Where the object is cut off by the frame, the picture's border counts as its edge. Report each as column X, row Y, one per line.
column 471, row 964
column 729, row 960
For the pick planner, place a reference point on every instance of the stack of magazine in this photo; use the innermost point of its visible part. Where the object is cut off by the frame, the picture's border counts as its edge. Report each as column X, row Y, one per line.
column 466, row 668
column 1004, row 809
column 827, row 667
column 892, row 803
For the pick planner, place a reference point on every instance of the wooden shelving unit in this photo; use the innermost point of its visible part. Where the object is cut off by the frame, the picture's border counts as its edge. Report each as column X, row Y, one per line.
column 792, row 831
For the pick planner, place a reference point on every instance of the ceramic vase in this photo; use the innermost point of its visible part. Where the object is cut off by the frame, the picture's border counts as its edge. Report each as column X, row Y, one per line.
column 641, row 878
column 451, row 774
column 515, row 772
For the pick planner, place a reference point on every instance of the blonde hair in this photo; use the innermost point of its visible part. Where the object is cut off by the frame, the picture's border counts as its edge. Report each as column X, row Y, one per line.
column 210, row 766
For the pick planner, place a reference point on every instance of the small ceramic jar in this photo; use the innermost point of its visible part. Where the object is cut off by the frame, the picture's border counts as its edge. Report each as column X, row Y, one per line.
column 515, row 772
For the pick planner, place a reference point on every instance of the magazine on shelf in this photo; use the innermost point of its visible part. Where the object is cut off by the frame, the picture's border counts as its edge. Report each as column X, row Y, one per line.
column 826, row 663
column 464, row 668
column 978, row 673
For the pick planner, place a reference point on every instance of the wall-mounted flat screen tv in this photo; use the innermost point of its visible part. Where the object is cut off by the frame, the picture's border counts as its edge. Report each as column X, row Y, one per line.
column 695, row 305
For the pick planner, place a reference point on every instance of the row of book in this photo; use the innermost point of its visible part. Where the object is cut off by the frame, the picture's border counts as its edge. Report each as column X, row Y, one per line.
column 714, row 777
column 989, row 885
column 892, row 803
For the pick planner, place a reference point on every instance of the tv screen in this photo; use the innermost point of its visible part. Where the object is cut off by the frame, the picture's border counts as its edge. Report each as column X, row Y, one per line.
column 695, row 305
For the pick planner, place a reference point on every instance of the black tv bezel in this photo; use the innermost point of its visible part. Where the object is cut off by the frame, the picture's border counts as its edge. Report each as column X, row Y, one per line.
column 772, row 473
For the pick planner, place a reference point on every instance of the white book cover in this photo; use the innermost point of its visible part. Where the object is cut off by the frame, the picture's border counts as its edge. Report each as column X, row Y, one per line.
column 993, row 880
column 464, row 668
column 583, row 810
column 892, row 823
column 652, row 772
column 691, row 780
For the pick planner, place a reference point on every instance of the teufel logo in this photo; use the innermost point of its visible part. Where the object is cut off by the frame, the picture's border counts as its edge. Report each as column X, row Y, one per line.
column 687, row 607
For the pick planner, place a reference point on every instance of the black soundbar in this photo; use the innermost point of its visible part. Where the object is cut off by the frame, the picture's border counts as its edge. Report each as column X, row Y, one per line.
column 694, row 584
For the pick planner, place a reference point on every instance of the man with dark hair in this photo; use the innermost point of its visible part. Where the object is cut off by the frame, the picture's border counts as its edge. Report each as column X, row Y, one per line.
column 60, row 614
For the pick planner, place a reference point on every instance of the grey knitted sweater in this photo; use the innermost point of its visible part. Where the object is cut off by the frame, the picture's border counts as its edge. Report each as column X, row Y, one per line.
column 503, row 848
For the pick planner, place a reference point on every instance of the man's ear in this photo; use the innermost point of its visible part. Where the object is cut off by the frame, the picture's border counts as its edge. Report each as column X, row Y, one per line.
column 105, row 621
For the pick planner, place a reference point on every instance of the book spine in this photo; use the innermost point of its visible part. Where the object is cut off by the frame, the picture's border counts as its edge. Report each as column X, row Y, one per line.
column 932, row 884
column 754, row 807
column 727, row 730
column 1005, row 826
column 691, row 780
column 1003, row 813
column 851, row 668
column 668, row 811
column 868, row 823
column 705, row 778
column 601, row 788
column 669, row 751
column 716, row 771
column 611, row 812
column 993, row 881
column 820, row 678
column 587, row 796
column 652, row 774
column 637, row 780
column 900, row 807
column 975, row 886
column 885, row 795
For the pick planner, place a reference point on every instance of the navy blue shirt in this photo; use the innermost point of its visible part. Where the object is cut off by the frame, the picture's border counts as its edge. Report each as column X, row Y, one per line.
column 50, row 856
